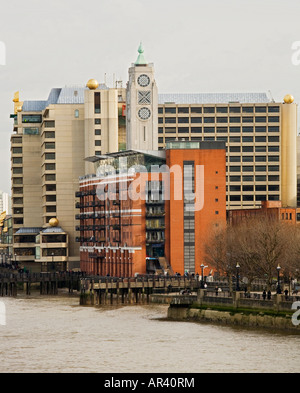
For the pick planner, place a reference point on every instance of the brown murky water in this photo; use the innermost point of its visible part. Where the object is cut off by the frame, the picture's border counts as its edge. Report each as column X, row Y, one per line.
column 57, row 335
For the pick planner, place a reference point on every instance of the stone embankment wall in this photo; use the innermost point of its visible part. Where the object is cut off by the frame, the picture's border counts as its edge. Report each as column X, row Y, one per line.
column 235, row 312
column 258, row 320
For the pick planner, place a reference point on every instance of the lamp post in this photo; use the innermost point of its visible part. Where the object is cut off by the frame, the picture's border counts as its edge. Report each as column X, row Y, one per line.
column 278, row 280
column 53, row 261
column 202, row 277
column 237, row 277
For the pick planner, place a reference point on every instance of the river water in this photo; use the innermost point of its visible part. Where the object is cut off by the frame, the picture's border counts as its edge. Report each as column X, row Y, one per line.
column 55, row 334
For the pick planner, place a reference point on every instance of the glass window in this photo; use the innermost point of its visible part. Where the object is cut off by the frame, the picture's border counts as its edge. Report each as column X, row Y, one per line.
column 171, row 120
column 222, row 119
column 234, row 129
column 31, row 118
column 17, row 150
column 247, row 188
column 30, row 131
column 273, row 177
column 273, row 128
column 247, row 119
column 50, row 167
column 183, row 109
column 273, row 148
column 50, row 145
column 170, row 110
column 235, row 198
column 261, row 129
column 222, row 109
column 235, row 159
column 235, row 109
column 209, row 109
column 260, row 188
column 273, row 138
column 234, row 168
column 260, row 149
column 160, row 110
column 248, row 109
column 235, row 149
column 49, row 134
column 209, row 119
column 260, row 158
column 273, row 187
column 260, row 168
column 273, row 158
column 261, row 197
column 51, row 177
column 235, row 178
column 97, row 121
column 196, row 109
column 76, row 113
column 273, row 197
column 260, row 119
column 260, row 139
column 209, row 129
column 97, row 143
column 260, row 178
column 50, row 156
column 98, row 132
column 236, row 139
column 247, row 158
column 184, row 130
column 273, row 168
column 195, row 129
column 273, row 119
column 49, row 123
column 97, row 102
column 234, row 119
column 235, row 188
column 247, row 168
column 260, row 109
column 222, row 129
column 247, row 149
column 17, row 160
column 247, row 178
column 273, row 109
column 196, row 120
column 247, row 139
column 248, row 129
column 248, row 198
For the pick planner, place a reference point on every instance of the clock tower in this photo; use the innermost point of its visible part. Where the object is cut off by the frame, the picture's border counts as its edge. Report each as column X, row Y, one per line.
column 141, row 106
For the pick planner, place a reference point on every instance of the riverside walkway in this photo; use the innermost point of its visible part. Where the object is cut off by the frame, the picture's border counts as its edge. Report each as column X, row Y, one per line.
column 110, row 290
column 48, row 283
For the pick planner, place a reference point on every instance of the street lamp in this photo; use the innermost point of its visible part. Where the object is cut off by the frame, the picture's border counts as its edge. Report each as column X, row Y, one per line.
column 202, row 272
column 53, row 261
column 237, row 277
column 278, row 280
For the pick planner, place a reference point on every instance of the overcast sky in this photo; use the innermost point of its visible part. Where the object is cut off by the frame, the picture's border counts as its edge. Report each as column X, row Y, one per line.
column 195, row 45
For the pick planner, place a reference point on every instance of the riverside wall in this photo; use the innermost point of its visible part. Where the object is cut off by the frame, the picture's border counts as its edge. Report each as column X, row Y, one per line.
column 233, row 312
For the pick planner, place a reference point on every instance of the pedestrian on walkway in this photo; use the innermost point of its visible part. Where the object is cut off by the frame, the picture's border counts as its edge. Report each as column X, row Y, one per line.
column 264, row 295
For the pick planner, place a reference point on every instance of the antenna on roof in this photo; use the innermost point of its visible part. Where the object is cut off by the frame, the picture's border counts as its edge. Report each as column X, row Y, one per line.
column 271, row 97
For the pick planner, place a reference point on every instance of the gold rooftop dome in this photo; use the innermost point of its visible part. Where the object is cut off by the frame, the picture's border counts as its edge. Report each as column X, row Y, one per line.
column 288, row 99
column 54, row 222
column 92, row 84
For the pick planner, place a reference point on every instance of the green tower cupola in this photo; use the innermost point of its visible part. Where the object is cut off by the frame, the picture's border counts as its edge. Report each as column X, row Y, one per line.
column 141, row 61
